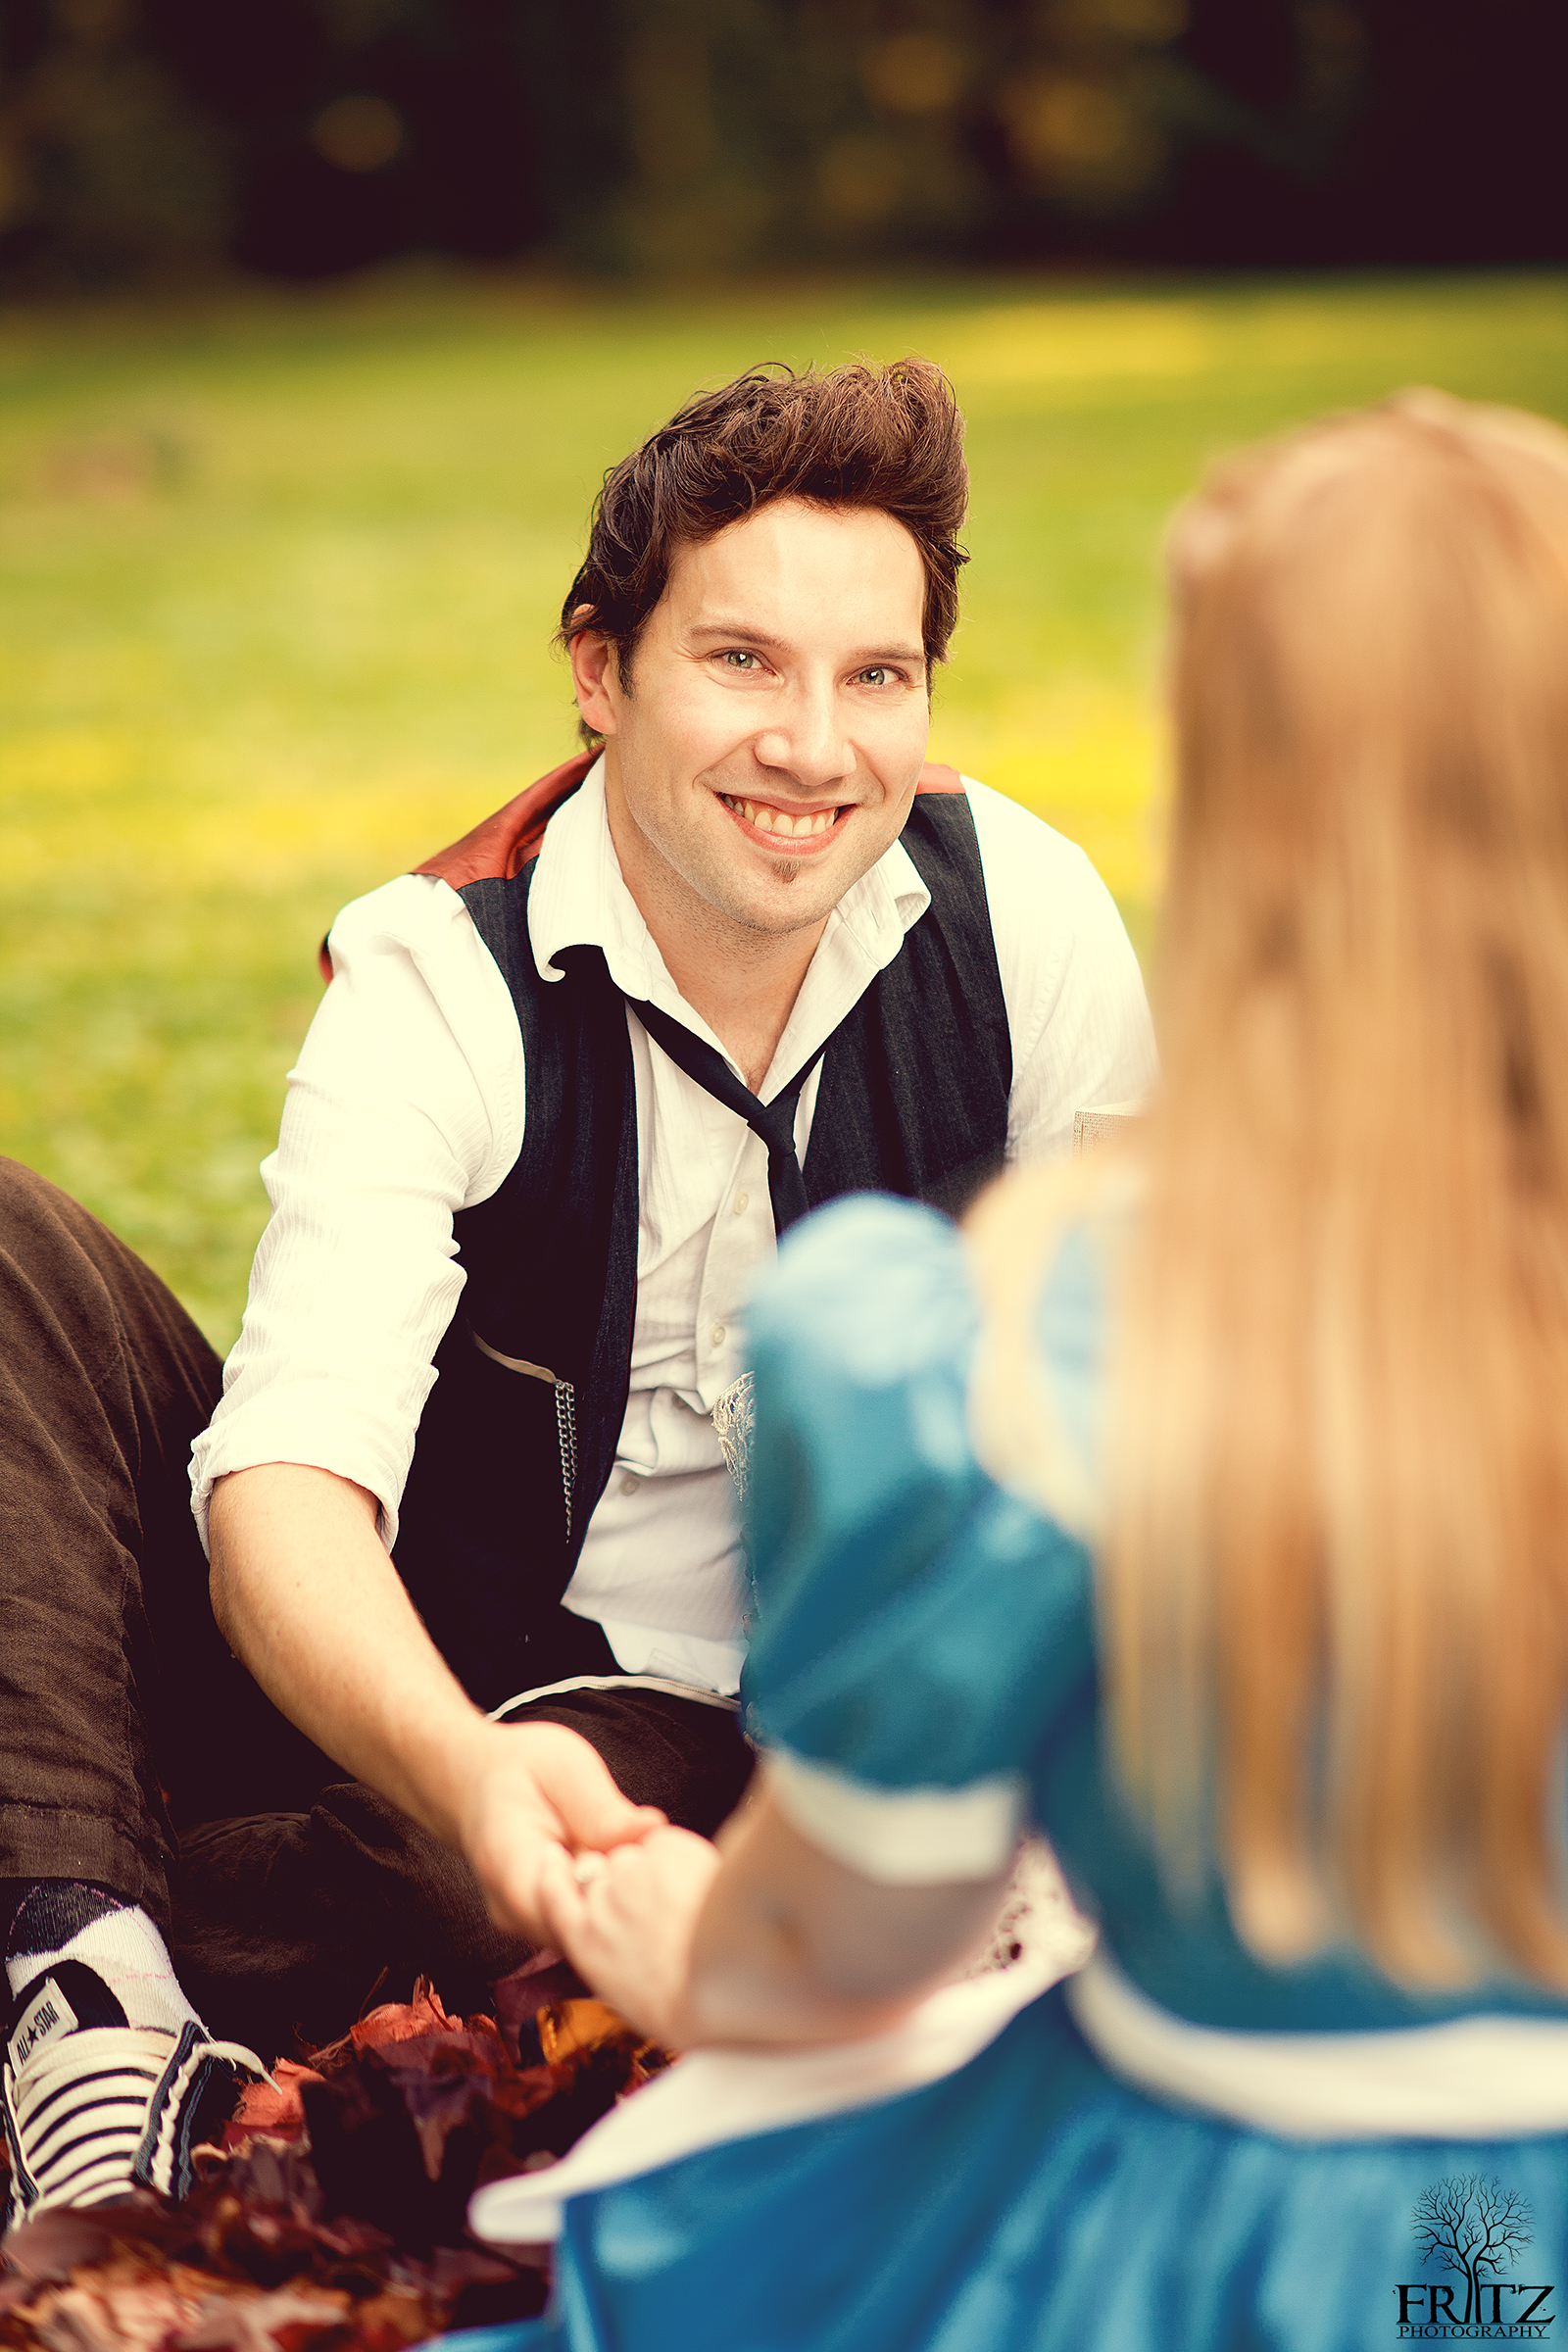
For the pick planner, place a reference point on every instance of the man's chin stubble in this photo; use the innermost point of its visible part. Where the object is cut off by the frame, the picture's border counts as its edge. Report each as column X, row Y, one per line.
column 749, row 920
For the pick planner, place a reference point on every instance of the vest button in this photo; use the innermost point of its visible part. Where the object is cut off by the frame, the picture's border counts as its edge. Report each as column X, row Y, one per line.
column 741, row 1200
column 630, row 1483
column 717, row 1335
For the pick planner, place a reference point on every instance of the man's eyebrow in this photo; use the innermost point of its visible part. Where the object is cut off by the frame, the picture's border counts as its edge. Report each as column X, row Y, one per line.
column 741, row 632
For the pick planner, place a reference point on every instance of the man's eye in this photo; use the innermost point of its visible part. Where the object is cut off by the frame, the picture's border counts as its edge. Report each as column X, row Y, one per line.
column 876, row 675
column 739, row 660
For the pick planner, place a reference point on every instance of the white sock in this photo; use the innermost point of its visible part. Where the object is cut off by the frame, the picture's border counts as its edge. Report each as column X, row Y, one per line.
column 132, row 1959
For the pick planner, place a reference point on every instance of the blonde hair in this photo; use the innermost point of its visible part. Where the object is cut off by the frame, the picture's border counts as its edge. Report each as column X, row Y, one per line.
column 1335, row 1572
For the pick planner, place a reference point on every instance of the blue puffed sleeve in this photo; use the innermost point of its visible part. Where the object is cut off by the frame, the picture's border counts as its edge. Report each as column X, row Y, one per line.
column 917, row 1627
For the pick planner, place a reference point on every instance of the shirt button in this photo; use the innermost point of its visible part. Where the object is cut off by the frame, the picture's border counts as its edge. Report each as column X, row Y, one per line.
column 741, row 1200
column 717, row 1335
column 631, row 1484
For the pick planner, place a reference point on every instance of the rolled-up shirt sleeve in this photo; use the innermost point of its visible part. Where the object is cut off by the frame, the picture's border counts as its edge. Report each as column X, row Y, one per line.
column 406, row 1106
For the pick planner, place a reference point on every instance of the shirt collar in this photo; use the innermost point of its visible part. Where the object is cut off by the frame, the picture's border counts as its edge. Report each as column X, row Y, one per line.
column 578, row 898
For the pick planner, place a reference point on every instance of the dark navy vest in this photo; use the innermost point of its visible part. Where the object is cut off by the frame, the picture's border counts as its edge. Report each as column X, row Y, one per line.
column 519, row 1434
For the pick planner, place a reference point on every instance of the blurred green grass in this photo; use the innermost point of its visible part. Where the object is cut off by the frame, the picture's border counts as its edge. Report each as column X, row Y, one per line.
column 278, row 577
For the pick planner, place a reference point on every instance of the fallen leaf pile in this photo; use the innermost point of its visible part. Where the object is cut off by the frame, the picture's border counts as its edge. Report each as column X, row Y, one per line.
column 331, row 2218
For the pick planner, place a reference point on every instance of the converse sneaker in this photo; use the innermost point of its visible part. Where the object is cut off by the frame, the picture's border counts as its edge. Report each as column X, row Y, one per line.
column 94, row 2106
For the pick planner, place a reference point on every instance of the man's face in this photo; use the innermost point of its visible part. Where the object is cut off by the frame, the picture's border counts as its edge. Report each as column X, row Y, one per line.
column 765, row 748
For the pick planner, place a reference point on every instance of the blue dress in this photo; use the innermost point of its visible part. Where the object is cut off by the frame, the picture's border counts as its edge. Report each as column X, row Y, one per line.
column 921, row 1629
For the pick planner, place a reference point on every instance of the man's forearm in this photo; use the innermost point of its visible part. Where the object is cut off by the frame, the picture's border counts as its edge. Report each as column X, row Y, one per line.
column 306, row 1595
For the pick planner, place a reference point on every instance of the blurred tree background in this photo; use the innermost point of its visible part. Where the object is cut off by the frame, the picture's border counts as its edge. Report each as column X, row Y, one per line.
column 303, row 137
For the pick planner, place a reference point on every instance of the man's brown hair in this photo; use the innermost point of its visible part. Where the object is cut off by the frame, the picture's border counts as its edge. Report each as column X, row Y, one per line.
column 889, row 438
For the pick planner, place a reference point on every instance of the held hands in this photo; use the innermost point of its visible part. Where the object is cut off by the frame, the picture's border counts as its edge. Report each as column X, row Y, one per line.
column 626, row 1921
column 537, row 1794
column 537, row 1800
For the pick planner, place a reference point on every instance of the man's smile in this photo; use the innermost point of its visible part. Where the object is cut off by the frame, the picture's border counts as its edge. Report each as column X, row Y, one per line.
column 804, row 829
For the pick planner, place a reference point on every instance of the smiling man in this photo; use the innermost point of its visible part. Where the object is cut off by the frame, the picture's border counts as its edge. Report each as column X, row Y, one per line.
column 752, row 964
column 567, row 1085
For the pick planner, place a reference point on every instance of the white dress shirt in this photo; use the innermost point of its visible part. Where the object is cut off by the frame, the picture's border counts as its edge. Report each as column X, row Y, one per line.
column 407, row 1105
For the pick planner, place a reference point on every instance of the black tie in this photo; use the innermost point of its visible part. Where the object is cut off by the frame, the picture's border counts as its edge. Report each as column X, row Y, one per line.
column 773, row 1121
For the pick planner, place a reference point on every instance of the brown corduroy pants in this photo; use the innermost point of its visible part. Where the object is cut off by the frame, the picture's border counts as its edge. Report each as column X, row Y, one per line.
column 136, row 1753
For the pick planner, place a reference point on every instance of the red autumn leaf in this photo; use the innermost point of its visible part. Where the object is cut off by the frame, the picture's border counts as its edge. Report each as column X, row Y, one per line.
column 274, row 2107
column 403, row 2021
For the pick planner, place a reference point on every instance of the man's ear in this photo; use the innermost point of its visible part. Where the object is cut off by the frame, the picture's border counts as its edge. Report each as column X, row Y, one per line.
column 595, row 676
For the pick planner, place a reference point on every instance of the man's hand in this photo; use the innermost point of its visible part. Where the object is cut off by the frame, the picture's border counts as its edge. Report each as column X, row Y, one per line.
column 628, row 1927
column 539, row 1794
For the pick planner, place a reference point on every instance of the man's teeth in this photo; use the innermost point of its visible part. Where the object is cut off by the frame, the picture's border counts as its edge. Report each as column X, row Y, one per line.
column 779, row 821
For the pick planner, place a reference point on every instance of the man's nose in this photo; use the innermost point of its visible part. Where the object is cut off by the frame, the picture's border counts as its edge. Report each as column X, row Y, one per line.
column 807, row 739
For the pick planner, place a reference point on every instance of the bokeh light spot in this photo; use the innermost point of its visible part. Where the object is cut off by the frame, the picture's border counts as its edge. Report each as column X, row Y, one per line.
column 359, row 133
column 1082, row 138
column 913, row 73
